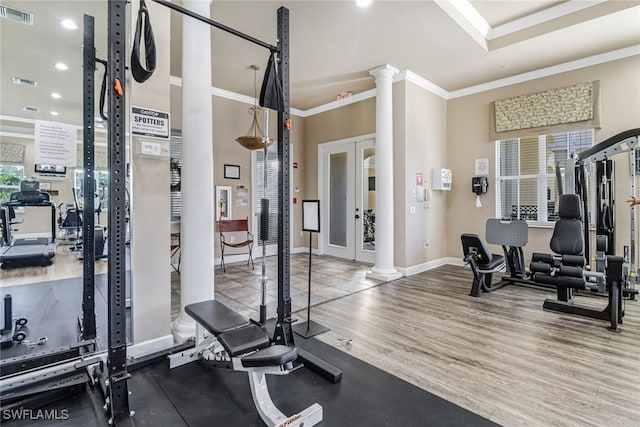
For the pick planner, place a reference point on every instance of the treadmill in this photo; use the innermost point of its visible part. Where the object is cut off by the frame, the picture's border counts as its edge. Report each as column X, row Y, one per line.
column 26, row 250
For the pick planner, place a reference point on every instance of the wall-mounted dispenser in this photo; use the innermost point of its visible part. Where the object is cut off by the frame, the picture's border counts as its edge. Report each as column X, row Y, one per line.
column 479, row 184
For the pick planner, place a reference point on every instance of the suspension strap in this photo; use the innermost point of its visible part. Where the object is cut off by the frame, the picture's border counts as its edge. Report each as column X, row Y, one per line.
column 140, row 73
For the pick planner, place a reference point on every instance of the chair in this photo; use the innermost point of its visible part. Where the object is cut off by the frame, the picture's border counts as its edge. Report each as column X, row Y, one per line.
column 233, row 226
column 483, row 262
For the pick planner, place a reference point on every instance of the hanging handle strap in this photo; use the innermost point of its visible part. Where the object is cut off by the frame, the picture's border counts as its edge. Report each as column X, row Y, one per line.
column 140, row 73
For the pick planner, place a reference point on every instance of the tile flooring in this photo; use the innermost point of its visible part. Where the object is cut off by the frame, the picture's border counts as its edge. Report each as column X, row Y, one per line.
column 239, row 286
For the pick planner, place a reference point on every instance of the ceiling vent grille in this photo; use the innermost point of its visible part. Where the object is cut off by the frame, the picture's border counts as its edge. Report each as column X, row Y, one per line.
column 25, row 82
column 16, row 15
column 32, row 109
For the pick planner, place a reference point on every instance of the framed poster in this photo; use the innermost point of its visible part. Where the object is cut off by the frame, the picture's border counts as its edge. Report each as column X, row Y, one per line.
column 311, row 215
column 223, row 202
column 232, row 171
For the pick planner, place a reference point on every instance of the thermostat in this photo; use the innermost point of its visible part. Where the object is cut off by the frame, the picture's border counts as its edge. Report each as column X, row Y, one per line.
column 442, row 179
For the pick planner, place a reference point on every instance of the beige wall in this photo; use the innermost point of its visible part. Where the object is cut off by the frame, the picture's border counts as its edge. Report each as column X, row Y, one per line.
column 468, row 139
column 425, row 144
column 231, row 119
column 150, row 204
column 346, row 122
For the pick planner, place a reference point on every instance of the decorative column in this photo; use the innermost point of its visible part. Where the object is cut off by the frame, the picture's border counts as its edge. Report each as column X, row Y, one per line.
column 198, row 209
column 384, row 268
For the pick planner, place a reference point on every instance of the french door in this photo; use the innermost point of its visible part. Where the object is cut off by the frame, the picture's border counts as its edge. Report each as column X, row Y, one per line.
column 347, row 173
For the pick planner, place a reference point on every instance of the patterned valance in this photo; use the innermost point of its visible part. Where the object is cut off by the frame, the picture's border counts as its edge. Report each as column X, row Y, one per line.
column 101, row 159
column 11, row 153
column 563, row 108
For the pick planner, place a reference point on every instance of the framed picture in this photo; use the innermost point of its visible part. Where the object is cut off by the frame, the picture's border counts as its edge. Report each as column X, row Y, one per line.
column 311, row 215
column 232, row 171
column 223, row 202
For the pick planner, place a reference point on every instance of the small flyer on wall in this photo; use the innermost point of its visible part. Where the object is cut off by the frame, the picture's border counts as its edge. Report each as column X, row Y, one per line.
column 419, row 187
column 55, row 144
column 242, row 195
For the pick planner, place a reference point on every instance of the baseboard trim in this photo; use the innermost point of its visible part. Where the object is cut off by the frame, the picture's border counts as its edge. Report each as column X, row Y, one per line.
column 429, row 265
column 151, row 346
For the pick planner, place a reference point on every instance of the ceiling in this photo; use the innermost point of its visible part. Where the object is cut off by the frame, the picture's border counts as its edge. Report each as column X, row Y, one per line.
column 452, row 44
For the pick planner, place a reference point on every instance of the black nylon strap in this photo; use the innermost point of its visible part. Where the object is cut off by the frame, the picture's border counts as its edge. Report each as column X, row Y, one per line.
column 140, row 74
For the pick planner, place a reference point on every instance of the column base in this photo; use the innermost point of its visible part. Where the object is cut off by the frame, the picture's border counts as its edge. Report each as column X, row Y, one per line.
column 182, row 329
column 383, row 274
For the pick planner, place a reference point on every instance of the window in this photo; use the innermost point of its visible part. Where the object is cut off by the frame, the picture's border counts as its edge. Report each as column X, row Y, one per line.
column 102, row 188
column 528, row 171
column 272, row 189
column 176, row 169
column 10, row 178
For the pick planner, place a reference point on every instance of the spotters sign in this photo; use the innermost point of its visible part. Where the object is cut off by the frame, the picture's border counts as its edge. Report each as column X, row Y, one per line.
column 147, row 122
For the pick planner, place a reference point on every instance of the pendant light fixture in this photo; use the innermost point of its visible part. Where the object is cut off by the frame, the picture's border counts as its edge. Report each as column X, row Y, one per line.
column 254, row 138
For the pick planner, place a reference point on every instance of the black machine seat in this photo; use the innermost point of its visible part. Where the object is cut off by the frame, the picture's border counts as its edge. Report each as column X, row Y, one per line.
column 216, row 317
column 473, row 244
column 276, row 355
column 244, row 340
column 568, row 237
column 483, row 263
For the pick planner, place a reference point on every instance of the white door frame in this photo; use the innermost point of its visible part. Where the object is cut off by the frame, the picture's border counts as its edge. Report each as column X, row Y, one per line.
column 353, row 247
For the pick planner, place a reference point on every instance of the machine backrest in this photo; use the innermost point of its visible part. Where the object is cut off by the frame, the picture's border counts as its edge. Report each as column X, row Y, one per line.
column 568, row 237
column 473, row 243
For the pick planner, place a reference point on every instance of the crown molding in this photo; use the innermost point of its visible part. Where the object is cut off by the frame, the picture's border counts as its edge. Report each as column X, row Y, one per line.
column 414, row 78
column 549, row 71
column 227, row 94
column 541, row 17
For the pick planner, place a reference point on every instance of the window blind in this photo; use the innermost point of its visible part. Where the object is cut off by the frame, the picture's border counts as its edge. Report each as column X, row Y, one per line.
column 271, row 192
column 528, row 173
column 175, row 152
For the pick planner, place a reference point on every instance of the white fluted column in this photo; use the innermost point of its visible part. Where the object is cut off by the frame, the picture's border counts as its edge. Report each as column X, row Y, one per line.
column 384, row 267
column 198, row 213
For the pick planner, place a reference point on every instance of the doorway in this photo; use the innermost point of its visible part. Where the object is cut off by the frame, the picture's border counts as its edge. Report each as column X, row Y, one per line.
column 346, row 185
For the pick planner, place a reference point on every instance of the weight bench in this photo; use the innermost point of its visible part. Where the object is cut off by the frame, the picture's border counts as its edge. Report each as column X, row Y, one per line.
column 236, row 343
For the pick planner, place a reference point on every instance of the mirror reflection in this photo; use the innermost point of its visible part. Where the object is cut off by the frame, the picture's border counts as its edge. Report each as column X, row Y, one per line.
column 42, row 189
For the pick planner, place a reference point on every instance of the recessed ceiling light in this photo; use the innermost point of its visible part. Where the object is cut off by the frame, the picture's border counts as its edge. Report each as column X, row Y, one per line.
column 363, row 3
column 56, row 95
column 69, row 24
column 54, row 113
column 61, row 66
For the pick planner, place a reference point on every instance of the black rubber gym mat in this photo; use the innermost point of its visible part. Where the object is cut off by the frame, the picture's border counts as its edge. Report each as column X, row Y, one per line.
column 196, row 395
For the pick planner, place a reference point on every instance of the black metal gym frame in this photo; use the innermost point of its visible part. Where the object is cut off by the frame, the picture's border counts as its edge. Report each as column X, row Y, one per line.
column 117, row 391
column 283, row 333
column 87, row 323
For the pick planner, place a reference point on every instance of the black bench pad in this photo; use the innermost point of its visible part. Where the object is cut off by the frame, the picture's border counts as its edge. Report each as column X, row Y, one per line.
column 216, row 317
column 275, row 355
column 244, row 340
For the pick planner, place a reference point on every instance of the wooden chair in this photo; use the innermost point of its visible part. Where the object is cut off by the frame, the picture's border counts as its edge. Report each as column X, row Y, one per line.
column 231, row 226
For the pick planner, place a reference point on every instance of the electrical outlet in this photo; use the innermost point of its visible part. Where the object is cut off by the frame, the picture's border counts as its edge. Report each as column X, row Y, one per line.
column 233, row 239
column 425, row 244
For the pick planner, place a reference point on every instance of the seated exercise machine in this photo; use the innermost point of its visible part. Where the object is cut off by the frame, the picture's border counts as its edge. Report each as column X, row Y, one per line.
column 234, row 342
column 482, row 262
column 567, row 268
column 26, row 249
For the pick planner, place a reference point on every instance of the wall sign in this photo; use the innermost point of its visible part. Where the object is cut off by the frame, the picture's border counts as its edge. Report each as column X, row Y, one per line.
column 148, row 122
column 311, row 215
column 55, row 143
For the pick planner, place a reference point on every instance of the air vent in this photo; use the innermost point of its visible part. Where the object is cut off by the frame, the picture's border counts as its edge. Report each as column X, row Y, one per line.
column 16, row 15
column 32, row 109
column 26, row 82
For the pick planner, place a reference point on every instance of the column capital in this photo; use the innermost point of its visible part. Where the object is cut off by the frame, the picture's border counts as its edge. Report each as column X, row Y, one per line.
column 384, row 69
